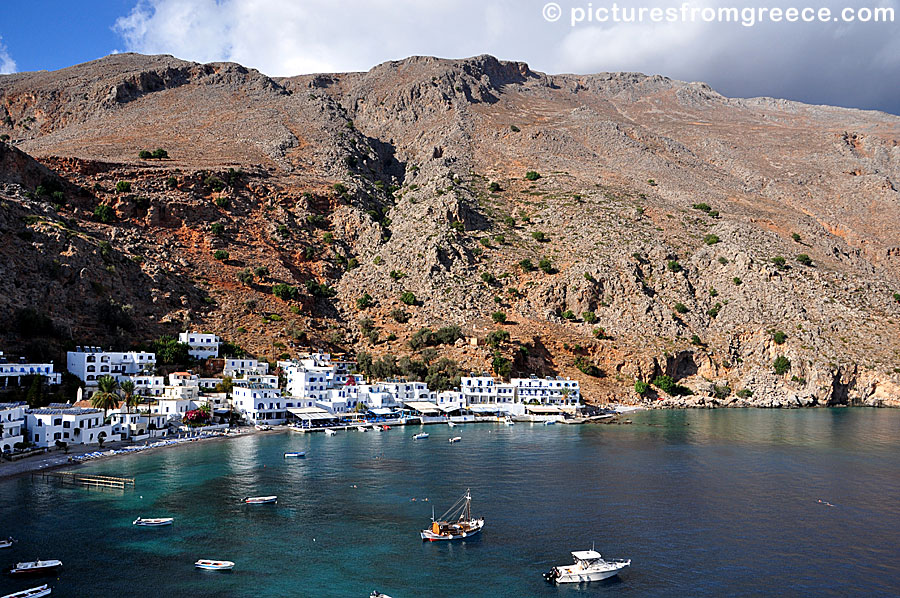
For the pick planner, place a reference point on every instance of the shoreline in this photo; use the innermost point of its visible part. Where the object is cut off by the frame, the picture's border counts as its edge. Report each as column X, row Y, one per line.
column 56, row 459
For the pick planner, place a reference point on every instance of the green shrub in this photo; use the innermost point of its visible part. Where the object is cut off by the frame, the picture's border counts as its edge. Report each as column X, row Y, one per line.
column 245, row 276
column 681, row 308
column 641, row 387
column 804, row 260
column 589, row 317
column 713, row 311
column 531, row 175
column 539, row 236
column 795, row 237
column 364, row 301
column 171, row 182
column 514, row 128
column 496, row 337
column 745, row 393
column 668, row 386
column 509, row 221
column 695, row 340
column 713, row 213
column 261, row 271
column 123, row 187
column 897, row 297
column 711, row 239
column 144, row 155
column 220, row 254
column 400, row 315
column 223, row 202
column 721, row 392
column 673, row 266
column 703, row 207
column 104, row 214
column 217, row 228
column 458, row 226
column 779, row 262
column 397, row 274
column 587, row 368
column 782, row 365
column 713, row 293
column 723, row 261
column 317, row 289
column 568, row 315
column 546, row 266
column 159, row 154
column 526, row 265
column 779, row 337
column 214, row 183
column 488, row 278
column 600, row 333
column 494, row 187
column 408, row 298
column 651, row 182
column 737, row 281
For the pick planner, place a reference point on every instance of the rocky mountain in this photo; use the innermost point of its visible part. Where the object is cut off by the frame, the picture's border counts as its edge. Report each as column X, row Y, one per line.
column 628, row 227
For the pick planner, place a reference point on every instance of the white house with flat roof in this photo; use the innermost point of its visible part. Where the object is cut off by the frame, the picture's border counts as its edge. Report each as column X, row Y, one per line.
column 12, row 425
column 484, row 393
column 551, row 390
column 73, row 425
column 91, row 363
column 238, row 367
column 12, row 372
column 259, row 403
column 146, row 386
column 202, row 345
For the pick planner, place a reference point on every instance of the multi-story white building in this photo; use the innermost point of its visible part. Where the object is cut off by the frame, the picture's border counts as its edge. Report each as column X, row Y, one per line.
column 91, row 363
column 146, row 386
column 73, row 425
column 484, row 390
column 240, row 367
column 172, row 406
column 12, row 421
column 202, row 345
column 547, row 391
column 12, row 373
column 258, row 403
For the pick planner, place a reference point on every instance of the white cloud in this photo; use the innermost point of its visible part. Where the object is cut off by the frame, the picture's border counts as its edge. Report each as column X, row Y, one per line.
column 7, row 64
column 847, row 64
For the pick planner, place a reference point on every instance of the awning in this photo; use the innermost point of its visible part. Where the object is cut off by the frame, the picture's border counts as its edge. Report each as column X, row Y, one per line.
column 541, row 409
column 311, row 413
column 450, row 407
column 422, row 406
column 382, row 411
column 485, row 408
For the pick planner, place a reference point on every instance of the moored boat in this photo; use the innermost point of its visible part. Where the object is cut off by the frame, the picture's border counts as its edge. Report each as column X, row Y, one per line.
column 420, row 436
column 263, row 427
column 385, row 428
column 377, row 594
column 508, row 421
column 211, row 565
column 330, row 432
column 43, row 590
column 295, row 454
column 588, row 566
column 35, row 567
column 451, row 424
column 260, row 500
column 549, row 422
column 362, row 428
column 456, row 439
column 7, row 543
column 456, row 523
column 154, row 522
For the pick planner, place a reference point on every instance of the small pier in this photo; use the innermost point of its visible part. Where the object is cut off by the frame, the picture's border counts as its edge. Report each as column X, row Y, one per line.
column 70, row 478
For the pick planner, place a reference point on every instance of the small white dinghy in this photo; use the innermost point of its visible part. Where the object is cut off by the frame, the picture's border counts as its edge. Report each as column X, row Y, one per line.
column 211, row 565
column 43, row 590
column 456, row 439
column 7, row 543
column 420, row 436
column 260, row 500
column 297, row 454
column 330, row 432
column 35, row 567
column 362, row 428
column 154, row 522
column 451, row 424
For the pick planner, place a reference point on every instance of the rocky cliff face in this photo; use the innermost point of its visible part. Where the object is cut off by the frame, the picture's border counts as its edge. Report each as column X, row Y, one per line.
column 665, row 230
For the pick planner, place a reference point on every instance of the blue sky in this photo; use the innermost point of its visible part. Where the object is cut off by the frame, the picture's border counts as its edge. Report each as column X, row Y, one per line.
column 856, row 65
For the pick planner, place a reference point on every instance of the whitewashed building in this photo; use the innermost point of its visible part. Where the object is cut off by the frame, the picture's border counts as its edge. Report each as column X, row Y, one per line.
column 238, row 367
column 73, row 425
column 259, row 404
column 146, row 386
column 484, row 393
column 91, row 363
column 547, row 391
column 12, row 373
column 202, row 345
column 12, row 420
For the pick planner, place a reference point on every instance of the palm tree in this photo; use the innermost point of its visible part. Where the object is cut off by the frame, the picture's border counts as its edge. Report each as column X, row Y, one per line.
column 105, row 398
column 127, row 389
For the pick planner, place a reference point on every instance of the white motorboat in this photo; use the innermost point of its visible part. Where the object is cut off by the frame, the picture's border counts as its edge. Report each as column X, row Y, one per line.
column 508, row 421
column 154, row 522
column 35, row 567
column 330, row 432
column 456, row 439
column 377, row 594
column 7, row 543
column 43, row 590
column 211, row 565
column 589, row 566
column 420, row 436
column 451, row 424
column 549, row 422
column 295, row 454
column 446, row 528
column 260, row 500
column 263, row 427
column 362, row 428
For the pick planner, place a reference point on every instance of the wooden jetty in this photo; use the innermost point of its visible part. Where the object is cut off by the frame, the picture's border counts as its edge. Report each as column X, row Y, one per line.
column 71, row 478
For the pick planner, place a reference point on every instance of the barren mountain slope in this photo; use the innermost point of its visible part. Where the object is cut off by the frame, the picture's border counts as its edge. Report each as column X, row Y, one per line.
column 661, row 209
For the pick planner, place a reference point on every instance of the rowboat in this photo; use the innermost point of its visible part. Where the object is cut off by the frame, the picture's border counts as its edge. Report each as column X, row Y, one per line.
column 260, row 500
column 157, row 522
column 7, row 543
column 35, row 567
column 420, row 436
column 297, row 454
column 456, row 439
column 210, row 565
column 43, row 590
column 330, row 432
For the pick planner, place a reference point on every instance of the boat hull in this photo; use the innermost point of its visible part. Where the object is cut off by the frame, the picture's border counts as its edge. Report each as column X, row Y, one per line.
column 214, row 565
column 294, row 455
column 153, row 522
column 43, row 590
column 587, row 576
column 263, row 500
column 43, row 569
column 429, row 536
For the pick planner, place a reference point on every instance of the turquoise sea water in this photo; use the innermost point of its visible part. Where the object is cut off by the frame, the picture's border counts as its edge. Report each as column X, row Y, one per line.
column 705, row 503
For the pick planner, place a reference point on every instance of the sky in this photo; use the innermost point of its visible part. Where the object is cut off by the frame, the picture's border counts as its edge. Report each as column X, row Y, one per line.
column 855, row 64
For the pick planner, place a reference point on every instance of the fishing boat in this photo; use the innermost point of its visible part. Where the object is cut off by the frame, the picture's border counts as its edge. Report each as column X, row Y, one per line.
column 456, row 439
column 154, row 522
column 43, row 590
column 330, row 432
column 35, row 567
column 420, row 436
column 260, row 500
column 211, row 565
column 295, row 454
column 7, row 543
column 589, row 566
column 456, row 523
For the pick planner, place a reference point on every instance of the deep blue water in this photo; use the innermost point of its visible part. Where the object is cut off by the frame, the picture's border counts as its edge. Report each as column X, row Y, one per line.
column 705, row 503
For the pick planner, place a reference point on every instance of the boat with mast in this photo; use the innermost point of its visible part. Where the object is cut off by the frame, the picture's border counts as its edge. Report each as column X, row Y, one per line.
column 456, row 523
